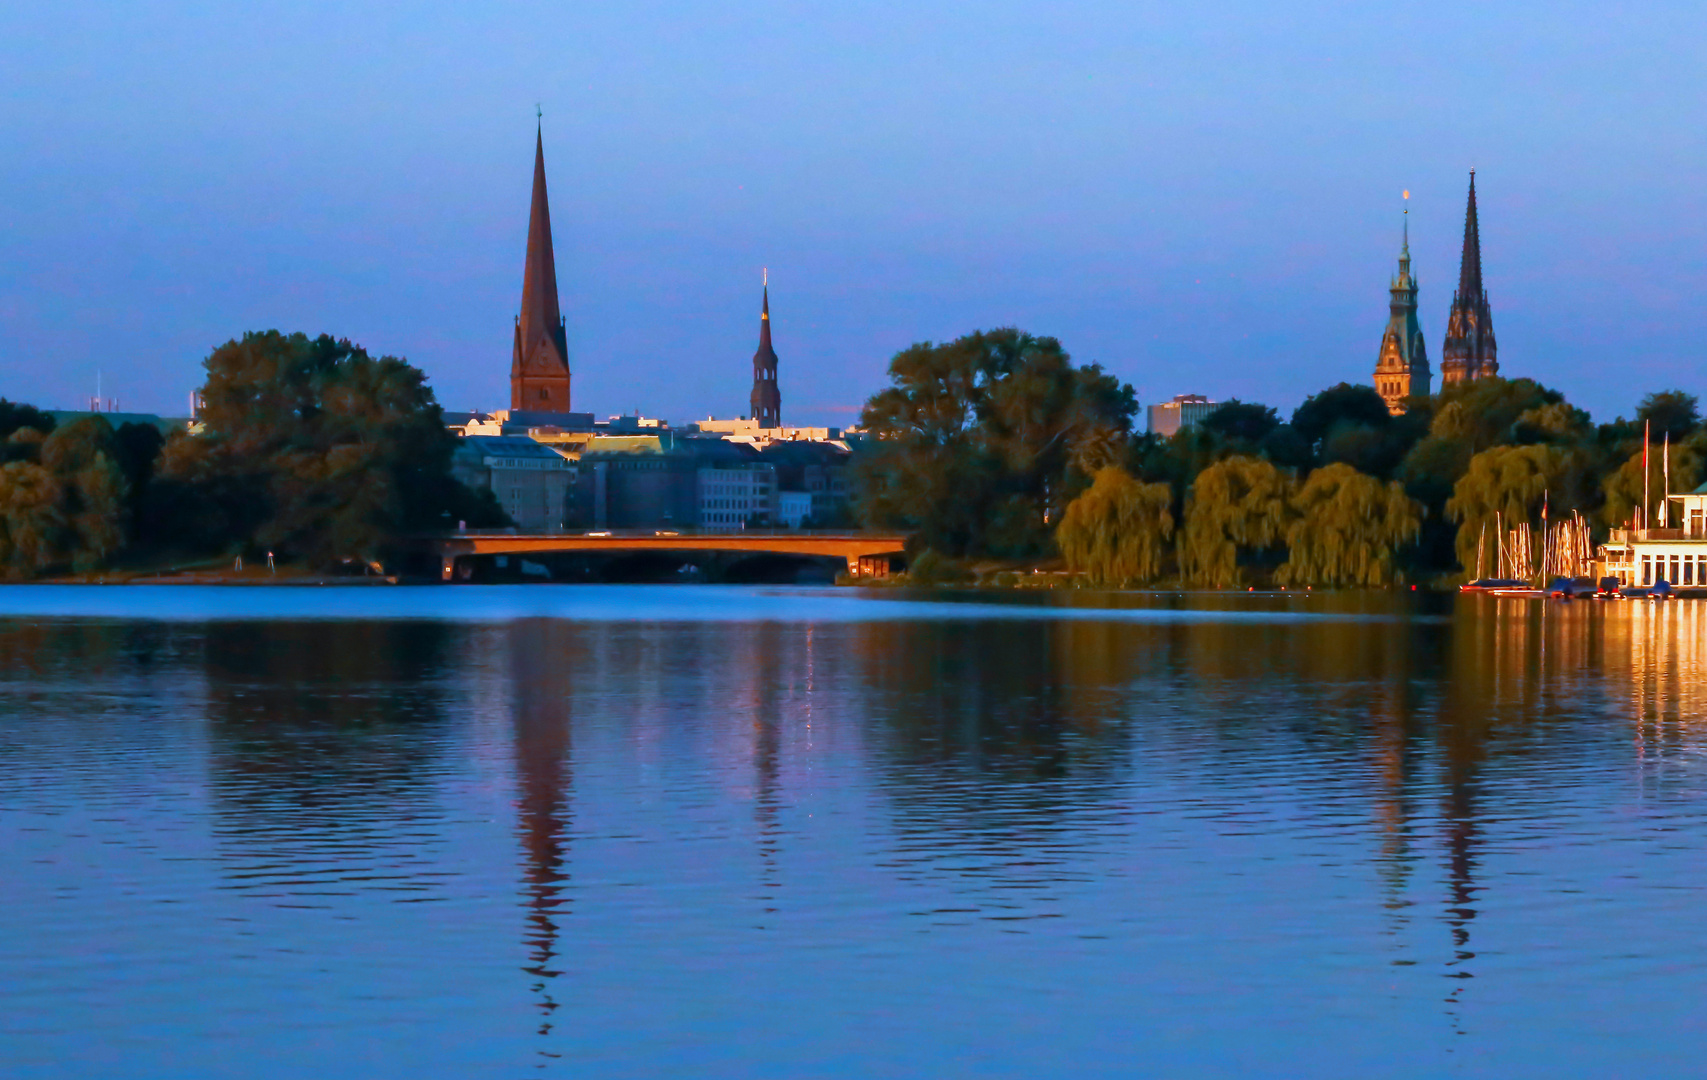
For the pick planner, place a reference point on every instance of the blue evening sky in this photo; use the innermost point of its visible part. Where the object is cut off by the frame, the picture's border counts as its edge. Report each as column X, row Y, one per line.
column 1202, row 197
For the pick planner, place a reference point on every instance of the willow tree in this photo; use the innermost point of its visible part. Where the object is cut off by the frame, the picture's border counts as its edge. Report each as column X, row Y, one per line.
column 1347, row 527
column 1241, row 503
column 1625, row 489
column 1505, row 485
column 1116, row 531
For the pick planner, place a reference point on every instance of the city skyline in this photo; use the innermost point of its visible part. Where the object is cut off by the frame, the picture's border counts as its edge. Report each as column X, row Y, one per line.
column 1222, row 227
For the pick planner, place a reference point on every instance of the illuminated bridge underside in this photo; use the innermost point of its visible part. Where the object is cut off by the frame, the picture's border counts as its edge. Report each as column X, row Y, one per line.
column 867, row 554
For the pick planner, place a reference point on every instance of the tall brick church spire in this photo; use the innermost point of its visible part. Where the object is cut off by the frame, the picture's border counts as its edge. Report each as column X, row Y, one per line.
column 766, row 398
column 539, row 367
column 1402, row 370
column 1470, row 351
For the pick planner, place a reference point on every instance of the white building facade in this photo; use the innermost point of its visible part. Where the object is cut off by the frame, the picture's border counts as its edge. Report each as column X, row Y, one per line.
column 1676, row 554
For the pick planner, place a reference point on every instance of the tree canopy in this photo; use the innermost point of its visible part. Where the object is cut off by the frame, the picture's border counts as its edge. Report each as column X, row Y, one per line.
column 1116, row 532
column 314, row 449
column 1670, row 412
column 62, row 498
column 1504, row 485
column 1236, row 419
column 979, row 443
column 1347, row 528
column 1339, row 406
column 1236, row 506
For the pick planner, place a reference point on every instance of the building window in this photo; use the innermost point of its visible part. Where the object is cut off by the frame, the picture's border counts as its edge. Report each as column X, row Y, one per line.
column 1647, row 570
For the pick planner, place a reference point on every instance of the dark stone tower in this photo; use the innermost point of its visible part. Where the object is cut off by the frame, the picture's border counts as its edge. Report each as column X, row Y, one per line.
column 539, row 368
column 1402, row 368
column 1470, row 352
column 767, row 399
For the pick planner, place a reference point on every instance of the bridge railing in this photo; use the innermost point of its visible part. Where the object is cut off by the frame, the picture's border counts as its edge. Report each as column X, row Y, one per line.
column 659, row 533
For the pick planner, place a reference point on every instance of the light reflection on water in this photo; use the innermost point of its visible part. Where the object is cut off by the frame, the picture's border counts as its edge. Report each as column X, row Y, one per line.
column 1354, row 836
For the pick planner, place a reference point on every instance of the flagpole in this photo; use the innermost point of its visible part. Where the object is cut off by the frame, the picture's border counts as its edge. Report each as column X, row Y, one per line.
column 1665, row 503
column 1647, row 426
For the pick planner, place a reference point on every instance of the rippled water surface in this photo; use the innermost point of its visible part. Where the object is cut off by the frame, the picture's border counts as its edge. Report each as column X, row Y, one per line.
column 702, row 832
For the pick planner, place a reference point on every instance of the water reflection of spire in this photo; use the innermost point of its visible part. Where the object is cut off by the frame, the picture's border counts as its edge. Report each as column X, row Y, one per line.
column 540, row 716
column 767, row 788
column 1462, row 861
column 1395, row 768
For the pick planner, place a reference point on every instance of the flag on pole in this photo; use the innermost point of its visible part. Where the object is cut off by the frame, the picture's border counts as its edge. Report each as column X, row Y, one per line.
column 1665, row 503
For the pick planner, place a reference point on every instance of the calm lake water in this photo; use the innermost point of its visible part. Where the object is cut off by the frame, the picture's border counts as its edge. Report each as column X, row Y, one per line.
column 708, row 832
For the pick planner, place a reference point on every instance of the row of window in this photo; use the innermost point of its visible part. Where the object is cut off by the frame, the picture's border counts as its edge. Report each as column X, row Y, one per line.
column 526, row 463
column 1677, row 570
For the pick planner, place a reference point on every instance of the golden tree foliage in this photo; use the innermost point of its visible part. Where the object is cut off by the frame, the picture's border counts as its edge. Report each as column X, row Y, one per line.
column 63, row 499
column 1115, row 532
column 1507, row 481
column 1346, row 529
column 1625, row 490
column 31, row 520
column 1239, row 502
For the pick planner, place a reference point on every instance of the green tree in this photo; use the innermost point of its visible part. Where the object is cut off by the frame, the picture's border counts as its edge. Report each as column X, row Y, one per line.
column 62, row 499
column 976, row 441
column 1506, row 484
column 317, row 450
column 1245, row 421
column 1236, row 506
column 1482, row 412
column 31, row 521
column 1342, row 405
column 15, row 415
column 1670, row 412
column 1287, row 449
column 1347, row 528
column 94, row 495
column 1116, row 531
column 1625, row 491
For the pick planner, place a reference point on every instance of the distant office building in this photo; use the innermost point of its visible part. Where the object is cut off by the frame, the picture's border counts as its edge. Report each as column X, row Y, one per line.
column 818, row 471
column 1470, row 351
column 766, row 399
column 1401, row 369
column 532, row 481
column 627, row 425
column 520, row 422
column 633, row 481
column 794, row 508
column 664, row 481
column 737, row 494
column 753, row 431
column 539, row 364
column 1184, row 411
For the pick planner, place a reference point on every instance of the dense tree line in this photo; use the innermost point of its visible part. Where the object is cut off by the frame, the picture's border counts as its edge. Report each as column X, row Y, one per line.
column 1341, row 493
column 306, row 447
column 983, row 441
